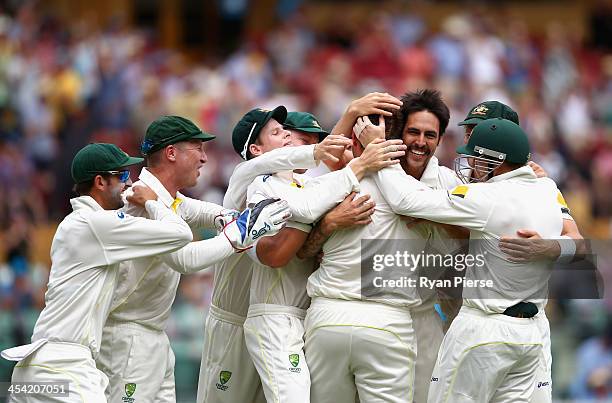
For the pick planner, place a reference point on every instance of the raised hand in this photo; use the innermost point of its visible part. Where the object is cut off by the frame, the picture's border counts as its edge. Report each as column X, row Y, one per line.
column 331, row 148
column 374, row 103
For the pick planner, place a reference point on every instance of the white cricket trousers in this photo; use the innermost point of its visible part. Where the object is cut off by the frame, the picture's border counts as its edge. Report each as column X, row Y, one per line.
column 274, row 337
column 542, row 389
column 486, row 358
column 61, row 362
column 135, row 356
column 429, row 331
column 360, row 348
column 227, row 374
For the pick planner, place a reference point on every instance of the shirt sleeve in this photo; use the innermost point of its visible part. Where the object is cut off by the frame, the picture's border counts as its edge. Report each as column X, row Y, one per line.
column 280, row 159
column 310, row 202
column 197, row 213
column 566, row 213
column 407, row 196
column 124, row 237
column 199, row 255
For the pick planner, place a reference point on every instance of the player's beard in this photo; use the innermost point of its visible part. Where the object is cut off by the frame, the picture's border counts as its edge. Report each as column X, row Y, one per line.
column 115, row 199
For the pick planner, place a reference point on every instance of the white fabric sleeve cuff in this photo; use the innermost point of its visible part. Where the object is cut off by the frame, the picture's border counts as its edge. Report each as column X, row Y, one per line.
column 352, row 178
column 568, row 249
column 298, row 225
column 252, row 252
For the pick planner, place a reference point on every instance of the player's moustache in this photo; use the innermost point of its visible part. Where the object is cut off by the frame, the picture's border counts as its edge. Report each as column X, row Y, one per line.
column 425, row 149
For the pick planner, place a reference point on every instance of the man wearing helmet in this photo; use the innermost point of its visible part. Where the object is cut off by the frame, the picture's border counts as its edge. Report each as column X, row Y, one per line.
column 493, row 329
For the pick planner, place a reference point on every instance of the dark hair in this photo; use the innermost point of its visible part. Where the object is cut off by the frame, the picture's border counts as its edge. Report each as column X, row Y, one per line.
column 416, row 101
column 84, row 188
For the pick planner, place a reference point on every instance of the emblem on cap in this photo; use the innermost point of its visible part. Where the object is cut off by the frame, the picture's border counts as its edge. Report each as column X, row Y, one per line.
column 146, row 146
column 480, row 110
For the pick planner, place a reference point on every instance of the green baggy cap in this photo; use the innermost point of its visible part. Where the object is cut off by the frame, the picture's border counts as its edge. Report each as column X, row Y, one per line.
column 97, row 158
column 489, row 110
column 304, row 122
column 247, row 129
column 171, row 130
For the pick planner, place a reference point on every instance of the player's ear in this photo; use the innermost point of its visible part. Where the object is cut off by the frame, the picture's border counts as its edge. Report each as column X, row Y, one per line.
column 255, row 150
column 170, row 152
column 98, row 182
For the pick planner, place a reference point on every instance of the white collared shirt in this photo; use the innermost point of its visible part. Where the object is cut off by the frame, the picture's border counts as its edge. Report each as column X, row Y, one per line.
column 146, row 287
column 339, row 274
column 506, row 203
column 87, row 248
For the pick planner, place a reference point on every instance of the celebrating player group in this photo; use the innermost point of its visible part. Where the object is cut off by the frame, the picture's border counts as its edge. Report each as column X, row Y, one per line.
column 290, row 319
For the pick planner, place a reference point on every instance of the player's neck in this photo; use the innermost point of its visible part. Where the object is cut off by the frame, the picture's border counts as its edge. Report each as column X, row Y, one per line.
column 167, row 178
column 415, row 172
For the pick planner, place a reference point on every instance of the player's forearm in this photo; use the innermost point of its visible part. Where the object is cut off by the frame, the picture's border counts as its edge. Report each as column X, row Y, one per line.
column 199, row 255
column 344, row 126
column 314, row 243
column 322, row 194
column 200, row 214
column 571, row 230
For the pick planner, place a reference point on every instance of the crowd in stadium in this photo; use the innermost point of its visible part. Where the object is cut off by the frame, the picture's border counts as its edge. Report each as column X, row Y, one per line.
column 65, row 85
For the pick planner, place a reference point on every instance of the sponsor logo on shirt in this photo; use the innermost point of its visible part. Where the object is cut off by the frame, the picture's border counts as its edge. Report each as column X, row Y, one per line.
column 434, row 379
column 224, row 377
column 121, row 214
column 543, row 384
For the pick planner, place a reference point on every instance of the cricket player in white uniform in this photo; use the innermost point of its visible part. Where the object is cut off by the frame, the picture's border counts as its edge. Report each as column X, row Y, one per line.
column 226, row 371
column 529, row 248
column 86, row 251
column 273, row 328
column 419, row 122
column 147, row 287
column 492, row 349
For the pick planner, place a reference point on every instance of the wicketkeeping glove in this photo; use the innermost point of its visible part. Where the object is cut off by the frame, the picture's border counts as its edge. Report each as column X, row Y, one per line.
column 266, row 218
column 225, row 217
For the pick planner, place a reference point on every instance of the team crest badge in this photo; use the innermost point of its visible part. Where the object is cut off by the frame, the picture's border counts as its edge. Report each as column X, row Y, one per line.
column 294, row 359
column 224, row 377
column 130, row 388
column 480, row 110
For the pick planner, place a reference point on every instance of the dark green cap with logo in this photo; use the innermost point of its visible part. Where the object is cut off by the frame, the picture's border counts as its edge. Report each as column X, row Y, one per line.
column 97, row 158
column 304, row 122
column 247, row 129
column 489, row 110
column 498, row 139
column 171, row 130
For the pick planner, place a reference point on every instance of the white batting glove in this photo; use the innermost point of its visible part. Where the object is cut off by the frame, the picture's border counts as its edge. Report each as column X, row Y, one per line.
column 266, row 218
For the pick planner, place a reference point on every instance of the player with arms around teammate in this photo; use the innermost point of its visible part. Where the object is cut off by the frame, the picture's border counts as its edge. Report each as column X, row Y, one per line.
column 494, row 329
column 420, row 122
column 86, row 251
column 224, row 354
column 528, row 244
column 273, row 328
column 146, row 289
